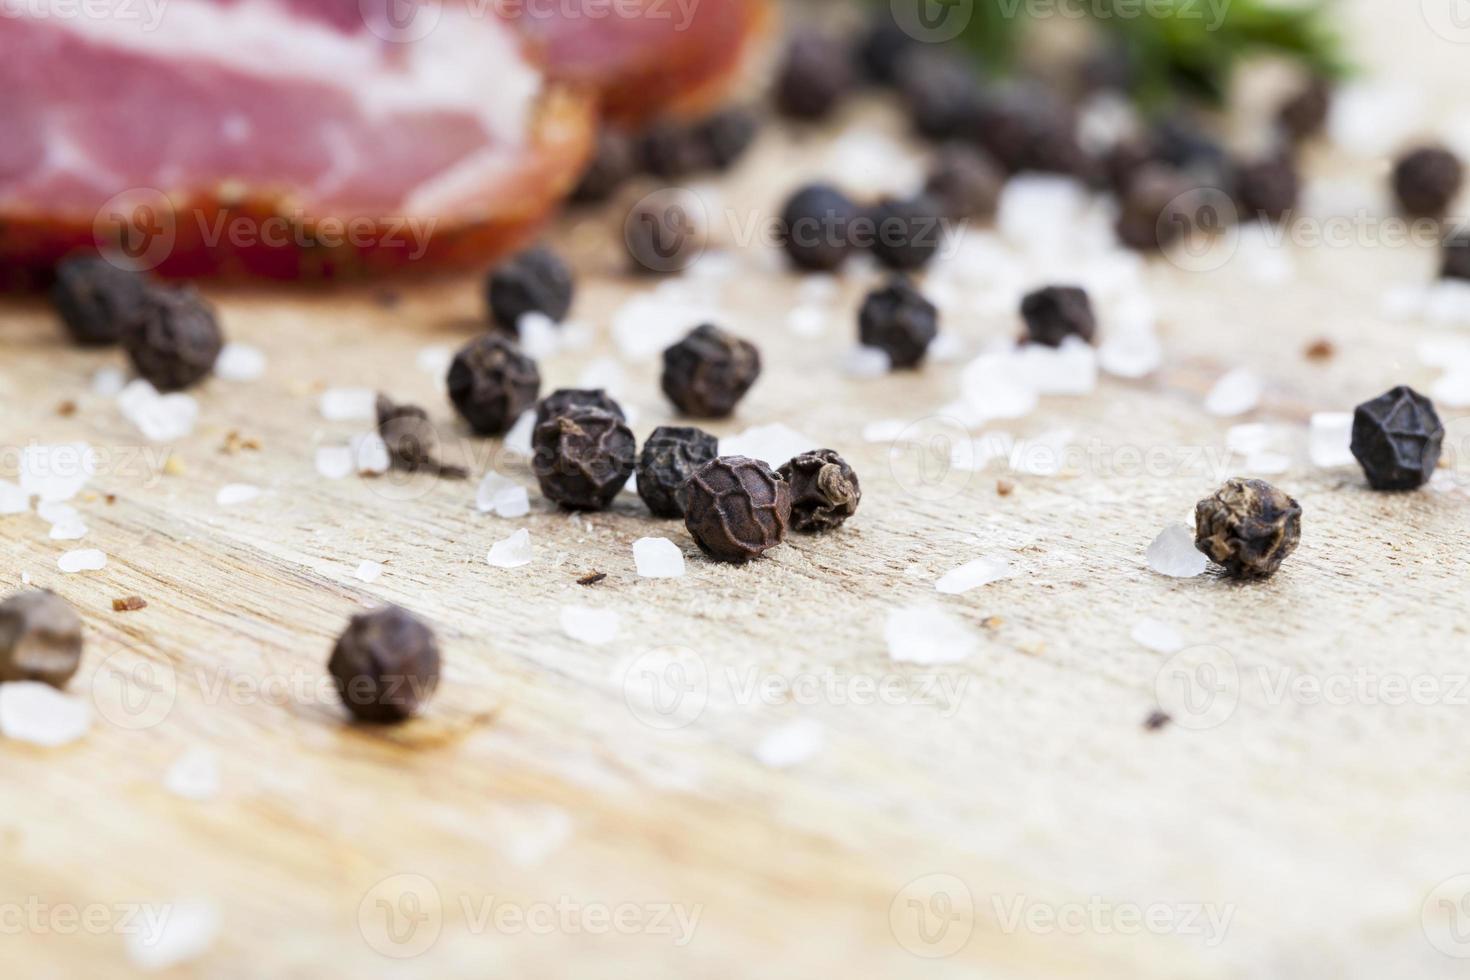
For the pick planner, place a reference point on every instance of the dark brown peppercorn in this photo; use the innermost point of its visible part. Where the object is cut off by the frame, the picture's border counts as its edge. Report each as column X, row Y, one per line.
column 96, row 299
column 670, row 149
column 491, row 383
column 1158, row 207
column 1397, row 438
column 817, row 227
column 1156, row 719
column 907, row 232
column 736, row 509
column 535, row 281
column 709, row 371
column 1427, row 181
column 1267, row 188
column 565, row 401
column 412, row 440
column 1249, row 527
column 40, row 638
column 964, row 182
column 899, row 321
column 726, row 135
column 174, row 340
column 824, row 490
column 612, row 163
column 669, row 457
column 1304, row 114
column 883, row 48
column 1457, row 256
column 582, row 460
column 941, row 92
column 1026, row 128
column 664, row 232
column 1057, row 312
column 386, row 665
column 813, row 77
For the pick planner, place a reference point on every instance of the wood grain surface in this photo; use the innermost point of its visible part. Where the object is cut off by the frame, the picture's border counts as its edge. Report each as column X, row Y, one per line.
column 1005, row 816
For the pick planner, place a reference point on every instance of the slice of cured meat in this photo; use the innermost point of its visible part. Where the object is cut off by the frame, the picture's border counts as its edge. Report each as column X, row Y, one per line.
column 280, row 138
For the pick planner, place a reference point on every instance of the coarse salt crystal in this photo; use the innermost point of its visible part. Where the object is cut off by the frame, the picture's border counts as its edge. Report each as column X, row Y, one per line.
column 807, row 321
column 866, row 362
column 194, row 775
column 1403, row 302
column 1267, row 463
column 13, row 500
column 160, row 418
column 82, row 560
column 56, row 512
column 1370, row 118
column 186, row 933
column 240, row 362
column 349, row 405
column 502, row 497
column 334, row 462
column 539, row 336
column 512, row 552
column 647, row 324
column 1130, row 355
column 926, row 634
column 57, row 472
column 772, row 444
column 1253, row 437
column 435, row 360
column 658, row 558
column 518, row 439
column 1236, row 393
column 1452, row 389
column 591, row 626
column 1173, row 553
column 790, row 744
column 38, row 713
column 236, row 493
column 370, row 454
column 369, row 571
column 972, row 575
column 990, row 389
column 1070, row 369
column 1156, row 636
column 69, row 530
column 1330, row 439
column 108, row 382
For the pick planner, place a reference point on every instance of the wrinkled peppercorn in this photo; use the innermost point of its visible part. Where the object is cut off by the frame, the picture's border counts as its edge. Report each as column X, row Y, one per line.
column 1159, row 206
column 736, row 509
column 1057, row 312
column 1427, row 181
column 613, row 162
column 491, row 382
column 726, row 135
column 664, row 232
column 174, row 340
column 535, row 281
column 942, row 93
column 817, row 227
column 1181, row 142
column 1267, row 188
column 964, row 182
column 669, row 148
column 385, row 665
column 1397, row 438
column 1304, row 114
column 709, row 371
column 40, row 638
column 582, row 460
column 412, row 440
column 565, row 401
column 907, row 232
column 1249, row 527
column 96, row 299
column 1026, row 128
column 899, row 321
column 669, row 457
column 1456, row 256
column 813, row 77
column 824, row 490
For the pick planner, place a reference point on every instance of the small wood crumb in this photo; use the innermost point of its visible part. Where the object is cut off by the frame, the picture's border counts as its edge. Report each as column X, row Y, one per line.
column 110, row 498
column 387, row 298
column 1156, row 720
column 67, row 409
column 1004, row 487
column 130, row 604
column 234, row 443
column 173, row 466
column 1320, row 349
column 592, row 578
column 991, row 622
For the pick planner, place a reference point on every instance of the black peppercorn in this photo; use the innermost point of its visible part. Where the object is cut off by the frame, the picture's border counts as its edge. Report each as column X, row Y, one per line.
column 817, row 227
column 1249, row 527
column 942, row 93
column 40, row 638
column 174, row 340
column 1057, row 312
column 1457, row 255
column 96, row 299
column 385, row 665
column 1267, row 188
column 412, row 440
column 824, row 490
column 1303, row 115
column 535, row 281
column 883, row 47
column 491, row 382
column 669, row 457
column 664, row 232
column 1181, row 142
column 670, row 149
column 612, row 163
column 709, row 371
column 899, row 321
column 565, row 401
column 1026, row 128
column 1397, row 438
column 964, row 182
column 1427, row 180
column 582, row 460
column 726, row 135
column 907, row 232
column 1159, row 205
column 736, row 509
column 814, row 75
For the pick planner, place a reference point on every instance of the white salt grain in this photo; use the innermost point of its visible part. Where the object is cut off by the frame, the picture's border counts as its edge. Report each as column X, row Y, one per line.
column 1330, row 439
column 1452, row 389
column 435, row 360
column 926, row 634
column 790, row 744
column 334, row 462
column 773, row 444
column 349, row 405
column 13, row 500
column 1043, row 455
column 591, row 626
column 1267, row 463
column 160, row 418
column 370, row 454
column 539, row 336
column 31, row 711
column 866, row 362
column 57, row 472
column 1130, row 355
column 1070, row 369
column 658, row 558
column 512, row 552
column 502, row 497
column 972, row 575
column 1156, row 636
column 108, row 382
column 1236, row 393
column 807, row 321
column 68, row 530
column 518, row 439
column 1173, row 553
column 990, row 389
column 240, row 362
column 1254, row 437
column 236, row 493
column 369, row 571
column 186, row 933
column 194, row 775
column 56, row 512
column 82, row 560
